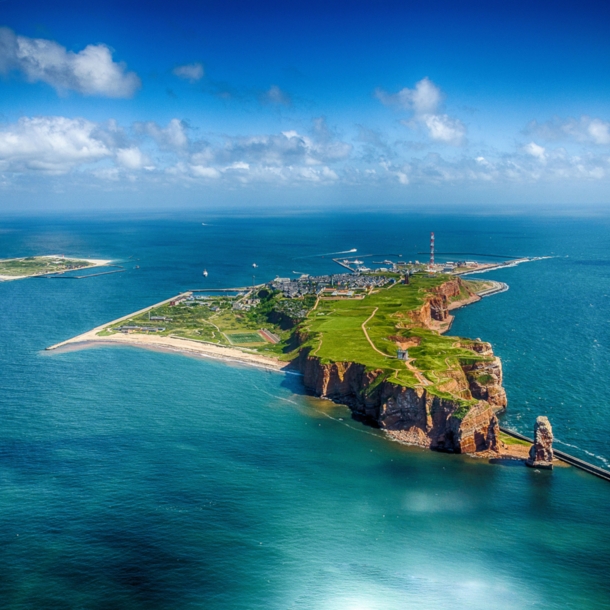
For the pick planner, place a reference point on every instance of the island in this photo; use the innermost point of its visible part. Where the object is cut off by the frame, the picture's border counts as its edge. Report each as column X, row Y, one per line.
column 48, row 265
column 372, row 340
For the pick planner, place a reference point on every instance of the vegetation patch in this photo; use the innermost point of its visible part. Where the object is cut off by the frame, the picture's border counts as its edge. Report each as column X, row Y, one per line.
column 367, row 330
column 39, row 265
column 239, row 338
column 511, row 440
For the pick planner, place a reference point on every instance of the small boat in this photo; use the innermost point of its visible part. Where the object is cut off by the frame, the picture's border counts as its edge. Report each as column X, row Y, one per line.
column 205, row 273
column 254, row 265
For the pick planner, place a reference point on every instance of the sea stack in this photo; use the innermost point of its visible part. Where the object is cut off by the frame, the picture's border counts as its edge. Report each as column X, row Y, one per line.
column 541, row 453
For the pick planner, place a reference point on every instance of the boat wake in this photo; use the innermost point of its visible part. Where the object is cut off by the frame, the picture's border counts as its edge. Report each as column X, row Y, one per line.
column 296, row 258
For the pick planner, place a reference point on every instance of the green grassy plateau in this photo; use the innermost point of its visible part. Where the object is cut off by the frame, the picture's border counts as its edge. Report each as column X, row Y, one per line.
column 333, row 330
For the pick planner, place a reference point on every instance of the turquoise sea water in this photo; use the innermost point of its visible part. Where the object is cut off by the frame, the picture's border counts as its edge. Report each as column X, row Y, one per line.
column 137, row 479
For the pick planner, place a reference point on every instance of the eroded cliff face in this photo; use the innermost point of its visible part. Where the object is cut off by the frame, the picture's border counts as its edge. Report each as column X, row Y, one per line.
column 411, row 415
column 414, row 415
column 436, row 308
column 439, row 304
column 485, row 381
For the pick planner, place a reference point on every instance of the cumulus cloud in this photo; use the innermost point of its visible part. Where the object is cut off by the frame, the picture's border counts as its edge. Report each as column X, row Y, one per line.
column 535, row 151
column 443, row 128
column 59, row 145
column 288, row 148
column 50, row 144
column 424, row 102
column 132, row 158
column 91, row 71
column 529, row 164
column 172, row 137
column 282, row 157
column 111, row 152
column 586, row 130
column 191, row 72
column 424, row 99
column 246, row 173
column 202, row 171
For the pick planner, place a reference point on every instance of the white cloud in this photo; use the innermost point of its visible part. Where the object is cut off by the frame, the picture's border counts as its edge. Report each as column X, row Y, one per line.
column 424, row 102
column 599, row 131
column 192, row 72
column 444, row 129
column 59, row 144
column 90, row 71
column 172, row 137
column 424, row 99
column 205, row 172
column 585, row 130
column 289, row 148
column 132, row 158
column 531, row 164
column 50, row 144
column 114, row 153
column 535, row 150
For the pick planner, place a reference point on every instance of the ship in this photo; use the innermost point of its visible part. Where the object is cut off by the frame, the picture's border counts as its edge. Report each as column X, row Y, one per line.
column 205, row 273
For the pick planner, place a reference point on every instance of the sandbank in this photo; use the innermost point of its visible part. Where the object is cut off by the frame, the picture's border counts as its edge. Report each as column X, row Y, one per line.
column 93, row 262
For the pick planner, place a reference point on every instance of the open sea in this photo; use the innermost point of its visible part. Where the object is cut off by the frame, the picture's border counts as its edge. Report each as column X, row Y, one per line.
column 134, row 479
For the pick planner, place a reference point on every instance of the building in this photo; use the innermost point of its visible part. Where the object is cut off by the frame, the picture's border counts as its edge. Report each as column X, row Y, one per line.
column 402, row 354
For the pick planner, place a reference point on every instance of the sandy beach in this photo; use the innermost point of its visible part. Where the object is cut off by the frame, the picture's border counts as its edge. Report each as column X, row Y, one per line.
column 171, row 344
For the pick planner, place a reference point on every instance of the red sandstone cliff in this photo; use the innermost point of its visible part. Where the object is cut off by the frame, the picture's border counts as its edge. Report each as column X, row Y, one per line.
column 412, row 415
column 434, row 313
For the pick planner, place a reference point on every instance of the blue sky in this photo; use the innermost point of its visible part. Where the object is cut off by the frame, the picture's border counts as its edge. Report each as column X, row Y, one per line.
column 186, row 104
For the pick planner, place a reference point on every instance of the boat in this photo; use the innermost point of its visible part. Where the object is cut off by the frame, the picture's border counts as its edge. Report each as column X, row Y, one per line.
column 205, row 273
column 254, row 265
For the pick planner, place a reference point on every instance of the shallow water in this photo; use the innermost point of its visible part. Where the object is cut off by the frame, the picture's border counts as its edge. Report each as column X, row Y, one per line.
column 136, row 479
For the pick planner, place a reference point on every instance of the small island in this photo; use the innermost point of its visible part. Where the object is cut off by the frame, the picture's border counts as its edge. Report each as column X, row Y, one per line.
column 36, row 266
column 373, row 340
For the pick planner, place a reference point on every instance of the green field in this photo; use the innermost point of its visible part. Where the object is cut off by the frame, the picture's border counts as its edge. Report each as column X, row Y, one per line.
column 239, row 338
column 511, row 440
column 212, row 320
column 335, row 335
column 333, row 331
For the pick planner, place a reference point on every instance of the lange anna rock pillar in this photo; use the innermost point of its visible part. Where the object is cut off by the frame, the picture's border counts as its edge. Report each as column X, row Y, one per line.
column 541, row 453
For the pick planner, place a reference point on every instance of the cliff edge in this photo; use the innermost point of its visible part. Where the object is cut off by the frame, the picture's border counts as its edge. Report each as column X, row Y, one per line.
column 444, row 396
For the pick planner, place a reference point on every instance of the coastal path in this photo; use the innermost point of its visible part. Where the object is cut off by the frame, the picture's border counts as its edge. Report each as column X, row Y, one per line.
column 408, row 363
column 367, row 335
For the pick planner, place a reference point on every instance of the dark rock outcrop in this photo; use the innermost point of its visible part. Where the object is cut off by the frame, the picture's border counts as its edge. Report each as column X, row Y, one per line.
column 541, row 453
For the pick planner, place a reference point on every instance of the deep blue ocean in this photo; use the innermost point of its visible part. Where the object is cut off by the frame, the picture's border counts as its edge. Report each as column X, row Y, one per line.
column 136, row 479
